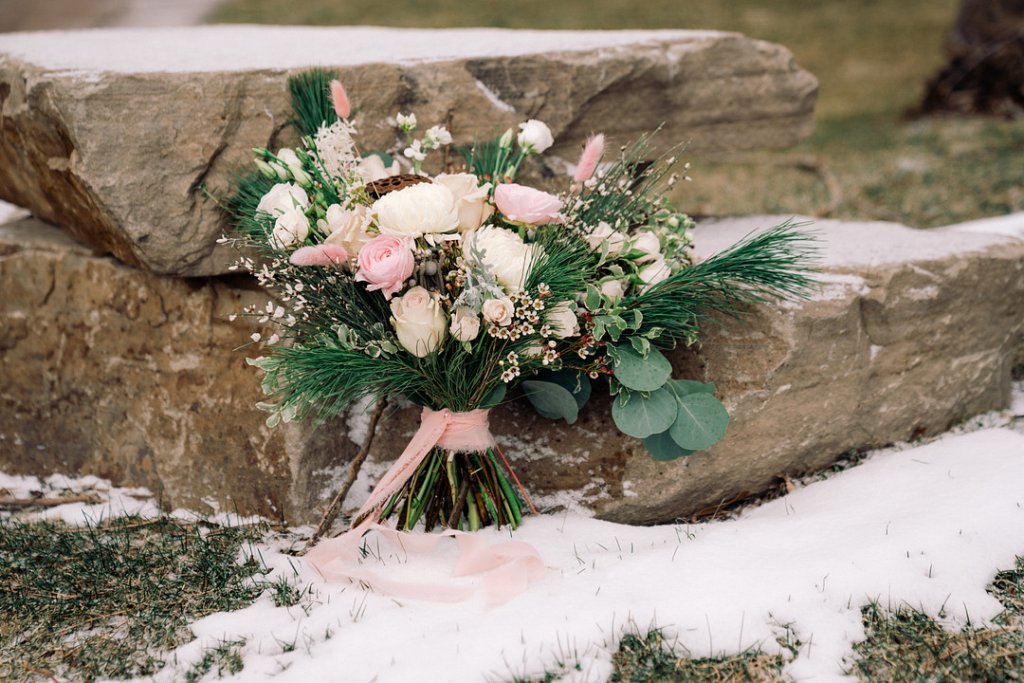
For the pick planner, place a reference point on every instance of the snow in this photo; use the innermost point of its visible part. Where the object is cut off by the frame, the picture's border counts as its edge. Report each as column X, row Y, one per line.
column 278, row 48
column 115, row 501
column 921, row 525
column 10, row 212
column 1010, row 225
column 925, row 526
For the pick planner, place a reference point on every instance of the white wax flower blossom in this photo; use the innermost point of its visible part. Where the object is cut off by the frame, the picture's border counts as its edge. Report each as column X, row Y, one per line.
column 415, row 151
column 417, row 210
column 290, row 228
column 335, row 149
column 470, row 199
column 654, row 272
column 283, row 197
column 436, row 136
column 465, row 325
column 419, row 321
column 563, row 321
column 407, row 122
column 534, row 136
column 371, row 168
column 503, row 253
column 346, row 229
column 647, row 242
column 613, row 289
column 499, row 311
column 603, row 234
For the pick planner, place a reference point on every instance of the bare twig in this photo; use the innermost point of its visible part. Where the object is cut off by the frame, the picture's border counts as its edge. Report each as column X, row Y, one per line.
column 353, row 471
column 460, row 501
column 19, row 503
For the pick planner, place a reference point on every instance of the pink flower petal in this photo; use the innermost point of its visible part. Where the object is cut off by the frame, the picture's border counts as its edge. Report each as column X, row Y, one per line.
column 319, row 255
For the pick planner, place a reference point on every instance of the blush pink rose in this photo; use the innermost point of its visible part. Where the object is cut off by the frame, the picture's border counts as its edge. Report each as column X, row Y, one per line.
column 523, row 204
column 385, row 263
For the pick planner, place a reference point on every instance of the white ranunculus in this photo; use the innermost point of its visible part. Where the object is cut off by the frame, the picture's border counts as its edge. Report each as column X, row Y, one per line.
column 613, row 289
column 372, row 168
column 499, row 311
column 347, row 229
column 417, row 210
column 465, row 325
column 419, row 321
column 604, row 234
column 470, row 198
column 282, row 198
column 291, row 227
column 654, row 272
column 503, row 253
column 648, row 243
column 534, row 136
column 563, row 321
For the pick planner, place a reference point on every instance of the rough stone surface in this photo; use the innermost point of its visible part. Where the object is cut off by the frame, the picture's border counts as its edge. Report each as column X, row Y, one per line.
column 114, row 134
column 110, row 370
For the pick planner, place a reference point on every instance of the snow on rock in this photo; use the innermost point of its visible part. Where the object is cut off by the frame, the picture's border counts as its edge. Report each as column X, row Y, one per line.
column 927, row 526
column 113, row 501
column 10, row 212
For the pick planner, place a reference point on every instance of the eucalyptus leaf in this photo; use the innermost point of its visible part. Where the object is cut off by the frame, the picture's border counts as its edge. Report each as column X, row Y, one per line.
column 639, row 373
column 684, row 387
column 662, row 447
column 551, row 400
column 701, row 421
column 640, row 416
column 494, row 396
column 577, row 383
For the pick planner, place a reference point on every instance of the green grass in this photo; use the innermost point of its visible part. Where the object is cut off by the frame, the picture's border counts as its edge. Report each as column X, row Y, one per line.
column 871, row 59
column 103, row 600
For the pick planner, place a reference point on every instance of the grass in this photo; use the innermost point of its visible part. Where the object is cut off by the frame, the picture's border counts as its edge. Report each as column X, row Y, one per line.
column 904, row 645
column 647, row 659
column 864, row 161
column 103, row 600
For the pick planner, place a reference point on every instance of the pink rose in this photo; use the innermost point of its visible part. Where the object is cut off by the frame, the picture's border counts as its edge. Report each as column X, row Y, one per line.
column 385, row 263
column 523, row 204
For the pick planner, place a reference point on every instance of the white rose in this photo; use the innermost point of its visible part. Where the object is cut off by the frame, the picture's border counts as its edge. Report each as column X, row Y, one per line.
column 648, row 243
column 465, row 324
column 290, row 228
column 613, row 289
column 417, row 210
column 346, row 229
column 534, row 136
column 282, row 198
column 419, row 321
column 470, row 198
column 503, row 253
column 499, row 311
column 654, row 272
column 603, row 234
column 372, row 168
column 563, row 321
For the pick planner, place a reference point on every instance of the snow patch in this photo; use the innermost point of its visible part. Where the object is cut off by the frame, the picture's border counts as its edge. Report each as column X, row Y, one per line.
column 493, row 98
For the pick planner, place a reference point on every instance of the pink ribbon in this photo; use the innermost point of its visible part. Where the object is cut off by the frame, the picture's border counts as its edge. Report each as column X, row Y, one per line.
column 505, row 569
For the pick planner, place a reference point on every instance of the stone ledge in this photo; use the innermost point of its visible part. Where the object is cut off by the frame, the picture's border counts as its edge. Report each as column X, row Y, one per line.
column 109, row 370
column 113, row 134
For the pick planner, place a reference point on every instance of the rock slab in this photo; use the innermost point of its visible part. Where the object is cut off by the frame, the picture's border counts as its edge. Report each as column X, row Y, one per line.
column 109, row 370
column 116, row 135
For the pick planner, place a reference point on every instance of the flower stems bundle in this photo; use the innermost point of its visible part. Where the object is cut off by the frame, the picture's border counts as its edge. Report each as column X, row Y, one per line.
column 460, row 288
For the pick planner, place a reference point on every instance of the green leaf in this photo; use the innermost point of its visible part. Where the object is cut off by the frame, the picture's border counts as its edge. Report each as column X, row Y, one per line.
column 640, row 345
column 662, row 447
column 551, row 400
column 684, row 387
column 639, row 373
column 701, row 421
column 640, row 416
column 592, row 300
column 494, row 396
column 577, row 384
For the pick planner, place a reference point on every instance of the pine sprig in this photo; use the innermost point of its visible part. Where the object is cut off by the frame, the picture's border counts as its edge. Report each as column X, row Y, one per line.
column 311, row 100
column 775, row 264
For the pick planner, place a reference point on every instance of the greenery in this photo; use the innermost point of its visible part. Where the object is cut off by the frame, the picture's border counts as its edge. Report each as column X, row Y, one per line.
column 103, row 600
column 865, row 160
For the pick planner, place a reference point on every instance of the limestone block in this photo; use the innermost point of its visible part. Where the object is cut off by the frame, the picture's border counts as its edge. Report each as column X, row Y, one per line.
column 110, row 370
column 115, row 135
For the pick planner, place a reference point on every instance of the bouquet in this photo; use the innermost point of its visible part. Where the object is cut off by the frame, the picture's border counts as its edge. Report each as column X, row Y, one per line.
column 459, row 289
